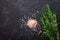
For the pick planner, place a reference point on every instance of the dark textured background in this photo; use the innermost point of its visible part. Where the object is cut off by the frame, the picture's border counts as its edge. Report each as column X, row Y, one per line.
column 12, row 10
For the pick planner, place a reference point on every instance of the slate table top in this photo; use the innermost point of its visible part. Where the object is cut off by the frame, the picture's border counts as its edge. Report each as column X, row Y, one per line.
column 14, row 12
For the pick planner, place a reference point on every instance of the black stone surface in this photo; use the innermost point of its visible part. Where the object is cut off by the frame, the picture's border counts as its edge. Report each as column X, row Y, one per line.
column 12, row 12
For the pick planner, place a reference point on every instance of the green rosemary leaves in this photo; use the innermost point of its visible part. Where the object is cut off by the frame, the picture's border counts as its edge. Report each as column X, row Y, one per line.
column 50, row 25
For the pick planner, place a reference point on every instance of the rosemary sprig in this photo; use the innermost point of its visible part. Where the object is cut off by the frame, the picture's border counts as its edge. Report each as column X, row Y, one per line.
column 50, row 25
